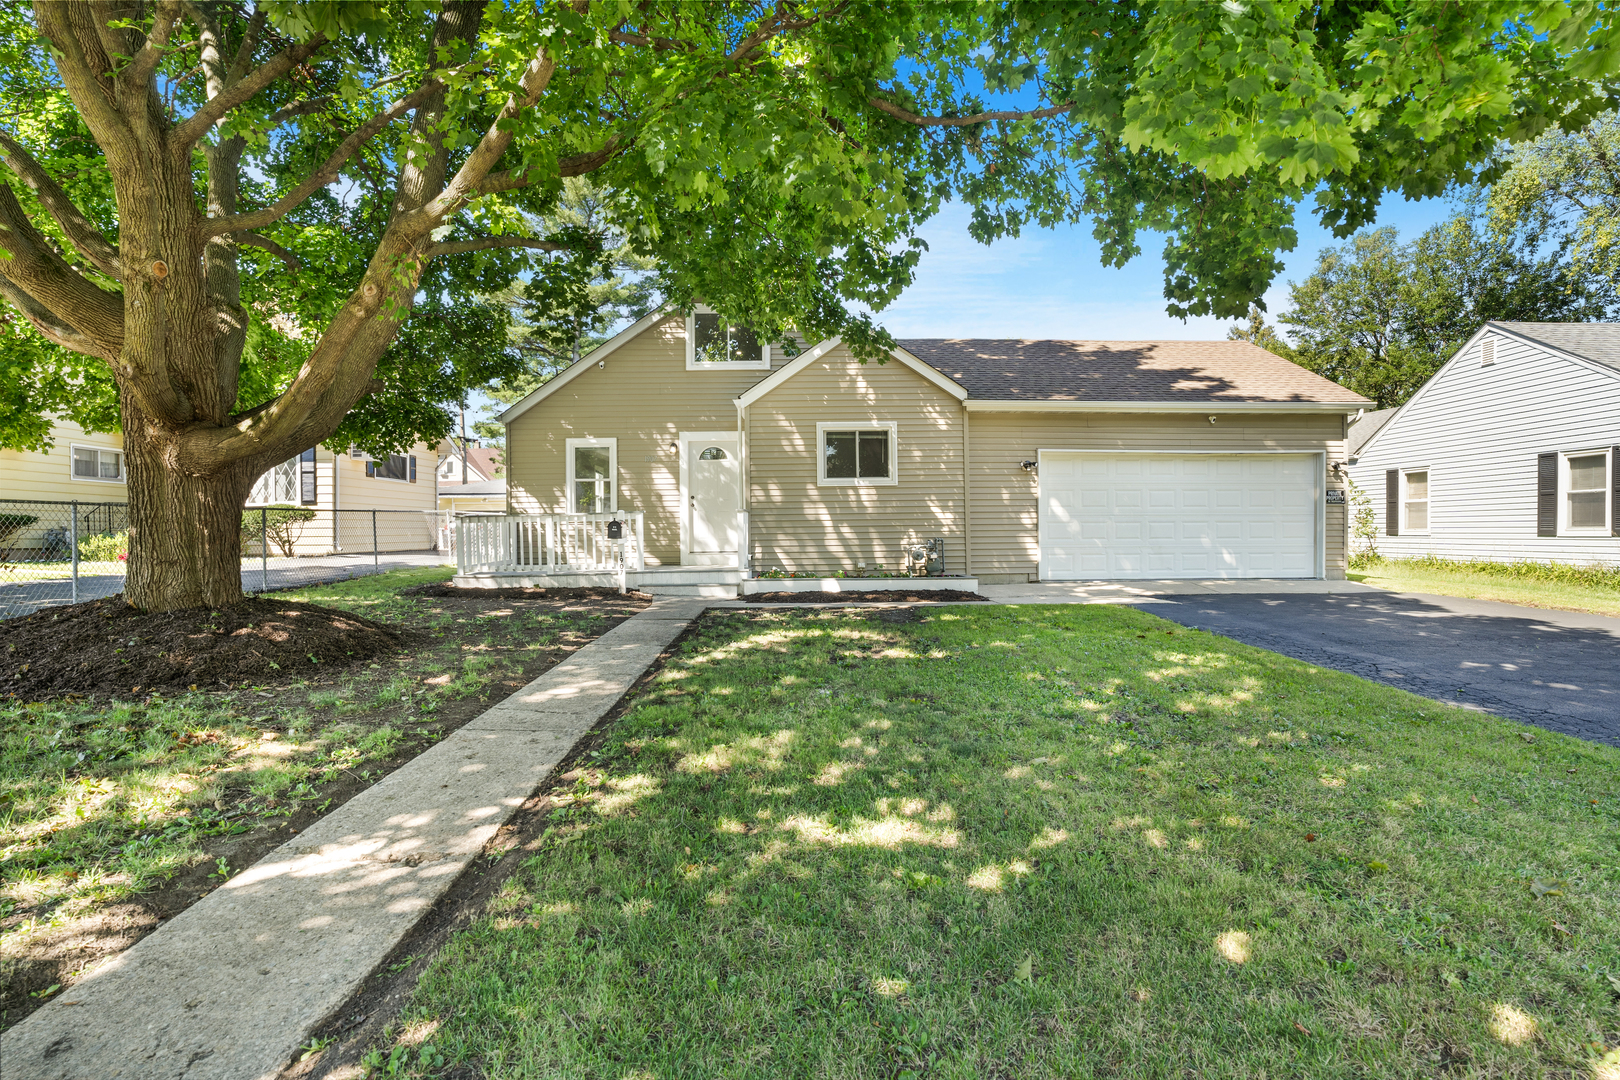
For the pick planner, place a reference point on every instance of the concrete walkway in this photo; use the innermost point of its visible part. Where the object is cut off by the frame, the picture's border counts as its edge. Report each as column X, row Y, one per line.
column 233, row 986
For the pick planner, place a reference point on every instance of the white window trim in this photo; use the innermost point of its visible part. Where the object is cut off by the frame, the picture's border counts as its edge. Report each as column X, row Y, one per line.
column 264, row 478
column 1564, row 491
column 693, row 364
column 823, row 480
column 613, row 471
column 123, row 464
column 1428, row 500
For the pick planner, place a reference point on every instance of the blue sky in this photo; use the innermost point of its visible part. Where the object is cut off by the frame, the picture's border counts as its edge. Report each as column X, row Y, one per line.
column 1051, row 283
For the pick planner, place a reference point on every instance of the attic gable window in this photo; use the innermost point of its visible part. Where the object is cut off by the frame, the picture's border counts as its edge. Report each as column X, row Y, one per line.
column 715, row 345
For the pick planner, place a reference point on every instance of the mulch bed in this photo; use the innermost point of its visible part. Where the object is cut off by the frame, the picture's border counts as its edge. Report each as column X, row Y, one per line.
column 107, row 648
column 875, row 596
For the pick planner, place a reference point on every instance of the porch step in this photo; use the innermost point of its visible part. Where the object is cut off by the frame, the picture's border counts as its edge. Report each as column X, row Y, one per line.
column 707, row 591
column 708, row 582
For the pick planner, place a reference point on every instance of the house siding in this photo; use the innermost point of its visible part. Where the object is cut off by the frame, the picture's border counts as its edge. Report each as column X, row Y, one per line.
column 1478, row 430
column 48, row 476
column 644, row 397
column 1004, row 508
column 403, row 508
column 799, row 525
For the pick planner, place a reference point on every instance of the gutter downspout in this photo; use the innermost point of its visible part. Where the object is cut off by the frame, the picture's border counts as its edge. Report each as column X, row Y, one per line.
column 745, row 547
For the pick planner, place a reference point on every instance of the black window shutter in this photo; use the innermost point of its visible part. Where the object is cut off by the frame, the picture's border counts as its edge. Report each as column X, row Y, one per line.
column 306, row 477
column 1546, row 494
column 1614, row 491
column 413, row 468
column 1392, row 502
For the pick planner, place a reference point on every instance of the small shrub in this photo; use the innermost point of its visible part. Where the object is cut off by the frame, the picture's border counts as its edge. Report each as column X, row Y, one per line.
column 104, row 547
column 282, row 525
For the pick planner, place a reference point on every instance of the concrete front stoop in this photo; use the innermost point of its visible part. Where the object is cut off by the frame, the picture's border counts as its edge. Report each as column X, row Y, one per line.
column 234, row 985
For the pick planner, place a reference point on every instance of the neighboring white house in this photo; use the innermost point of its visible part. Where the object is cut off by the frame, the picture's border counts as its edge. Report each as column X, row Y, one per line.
column 355, row 483
column 1510, row 451
column 471, row 478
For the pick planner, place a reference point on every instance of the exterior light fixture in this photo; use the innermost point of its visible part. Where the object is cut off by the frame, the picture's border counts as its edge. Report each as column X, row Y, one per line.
column 1029, row 466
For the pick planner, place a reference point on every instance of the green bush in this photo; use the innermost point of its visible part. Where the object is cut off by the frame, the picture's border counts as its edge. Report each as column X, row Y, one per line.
column 283, row 524
column 1589, row 576
column 104, row 547
column 12, row 524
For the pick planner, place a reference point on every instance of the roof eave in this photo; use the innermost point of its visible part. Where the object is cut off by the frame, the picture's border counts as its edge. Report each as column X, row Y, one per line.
column 999, row 405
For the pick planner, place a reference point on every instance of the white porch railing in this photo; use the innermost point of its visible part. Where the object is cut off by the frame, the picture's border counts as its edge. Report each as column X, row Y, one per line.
column 548, row 543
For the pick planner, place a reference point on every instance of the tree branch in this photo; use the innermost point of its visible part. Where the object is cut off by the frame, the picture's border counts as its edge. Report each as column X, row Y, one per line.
column 258, row 219
column 140, row 68
column 83, row 235
column 487, row 243
column 578, row 165
column 252, row 239
column 55, row 330
column 197, row 124
column 964, row 121
column 34, row 268
column 250, row 41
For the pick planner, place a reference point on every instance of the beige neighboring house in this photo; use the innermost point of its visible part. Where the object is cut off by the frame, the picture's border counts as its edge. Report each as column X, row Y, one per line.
column 80, row 468
column 398, row 487
column 476, row 483
column 1028, row 460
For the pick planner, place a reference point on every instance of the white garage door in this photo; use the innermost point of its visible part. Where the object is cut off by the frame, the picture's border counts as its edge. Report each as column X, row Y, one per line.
column 1177, row 515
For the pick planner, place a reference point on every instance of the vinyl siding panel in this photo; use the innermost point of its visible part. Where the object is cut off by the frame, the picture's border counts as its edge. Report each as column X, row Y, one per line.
column 402, row 507
column 797, row 524
column 29, row 474
column 644, row 397
column 1004, row 508
column 1478, row 431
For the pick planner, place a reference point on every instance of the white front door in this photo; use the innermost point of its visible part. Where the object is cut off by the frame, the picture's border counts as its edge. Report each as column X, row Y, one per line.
column 1105, row 515
column 711, row 476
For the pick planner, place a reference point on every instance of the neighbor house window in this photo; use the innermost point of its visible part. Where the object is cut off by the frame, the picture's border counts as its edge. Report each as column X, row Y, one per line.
column 592, row 465
column 856, row 453
column 98, row 463
column 1586, row 491
column 1415, row 505
column 293, row 481
column 713, row 343
column 393, row 467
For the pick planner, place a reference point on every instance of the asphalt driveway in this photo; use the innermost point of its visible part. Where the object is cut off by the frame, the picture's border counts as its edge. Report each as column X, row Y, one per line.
column 1558, row 670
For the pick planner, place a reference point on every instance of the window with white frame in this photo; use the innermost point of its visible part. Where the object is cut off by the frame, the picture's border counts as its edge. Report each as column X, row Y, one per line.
column 278, row 485
column 712, row 343
column 1586, row 491
column 1415, row 501
column 98, row 463
column 592, row 466
column 855, row 454
column 393, row 467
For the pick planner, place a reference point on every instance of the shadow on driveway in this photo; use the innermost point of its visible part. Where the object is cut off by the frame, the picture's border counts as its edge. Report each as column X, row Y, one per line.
column 1558, row 670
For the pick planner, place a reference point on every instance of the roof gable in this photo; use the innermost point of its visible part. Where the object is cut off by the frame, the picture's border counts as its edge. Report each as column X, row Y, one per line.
column 805, row 359
column 572, row 371
column 1597, row 342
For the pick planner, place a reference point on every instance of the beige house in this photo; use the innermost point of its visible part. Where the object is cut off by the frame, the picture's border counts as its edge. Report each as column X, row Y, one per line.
column 1025, row 460
column 399, row 488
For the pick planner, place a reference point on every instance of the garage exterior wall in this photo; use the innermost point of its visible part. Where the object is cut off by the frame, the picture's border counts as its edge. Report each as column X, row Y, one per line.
column 1477, row 429
column 644, row 398
column 798, row 525
column 1003, row 496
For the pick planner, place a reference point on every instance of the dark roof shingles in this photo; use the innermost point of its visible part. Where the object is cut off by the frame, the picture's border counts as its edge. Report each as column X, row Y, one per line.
column 1145, row 371
column 1598, row 342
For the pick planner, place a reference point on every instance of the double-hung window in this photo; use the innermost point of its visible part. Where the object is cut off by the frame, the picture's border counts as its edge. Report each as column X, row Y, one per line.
column 592, row 466
column 1586, row 492
column 1415, row 501
column 393, row 467
column 714, row 344
column 98, row 463
column 856, row 454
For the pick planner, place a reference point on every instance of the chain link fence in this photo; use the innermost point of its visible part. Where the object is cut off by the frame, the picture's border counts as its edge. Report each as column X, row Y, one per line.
column 54, row 553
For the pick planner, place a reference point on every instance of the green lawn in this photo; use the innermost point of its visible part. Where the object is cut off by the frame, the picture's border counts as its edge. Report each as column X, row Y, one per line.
column 1042, row 841
column 1577, row 589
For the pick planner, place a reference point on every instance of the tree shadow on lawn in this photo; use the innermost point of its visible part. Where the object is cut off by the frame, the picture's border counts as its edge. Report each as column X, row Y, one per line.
column 1026, row 841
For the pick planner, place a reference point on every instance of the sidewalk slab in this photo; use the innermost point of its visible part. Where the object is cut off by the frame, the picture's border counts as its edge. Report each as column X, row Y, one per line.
column 233, row 986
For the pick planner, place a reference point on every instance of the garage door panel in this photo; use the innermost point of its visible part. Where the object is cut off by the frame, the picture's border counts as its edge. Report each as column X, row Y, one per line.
column 1174, row 515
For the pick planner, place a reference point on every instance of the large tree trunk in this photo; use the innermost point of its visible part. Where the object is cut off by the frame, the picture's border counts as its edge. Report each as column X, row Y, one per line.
column 185, row 529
